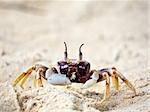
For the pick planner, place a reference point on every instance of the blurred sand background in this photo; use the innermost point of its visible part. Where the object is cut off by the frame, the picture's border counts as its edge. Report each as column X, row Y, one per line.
column 115, row 33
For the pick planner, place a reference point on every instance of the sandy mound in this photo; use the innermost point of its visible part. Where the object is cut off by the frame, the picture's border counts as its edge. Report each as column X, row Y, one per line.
column 73, row 99
column 8, row 98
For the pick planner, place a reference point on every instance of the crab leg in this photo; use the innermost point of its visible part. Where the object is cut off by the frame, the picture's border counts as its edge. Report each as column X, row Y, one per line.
column 37, row 79
column 27, row 74
column 43, row 80
column 40, row 83
column 117, row 73
column 115, row 81
column 18, row 79
column 23, row 77
column 40, row 74
column 34, row 81
column 23, row 80
column 107, row 90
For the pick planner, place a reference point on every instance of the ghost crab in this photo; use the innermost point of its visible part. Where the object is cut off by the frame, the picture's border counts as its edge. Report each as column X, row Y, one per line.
column 78, row 71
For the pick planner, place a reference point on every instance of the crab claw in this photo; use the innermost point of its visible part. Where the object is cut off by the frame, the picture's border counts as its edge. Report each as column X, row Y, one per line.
column 58, row 79
column 92, row 81
column 89, row 83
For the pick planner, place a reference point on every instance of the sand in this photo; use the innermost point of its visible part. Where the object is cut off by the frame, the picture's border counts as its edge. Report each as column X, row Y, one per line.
column 115, row 33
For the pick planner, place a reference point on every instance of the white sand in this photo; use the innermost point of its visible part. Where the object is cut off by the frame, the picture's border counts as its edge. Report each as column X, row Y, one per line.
column 115, row 33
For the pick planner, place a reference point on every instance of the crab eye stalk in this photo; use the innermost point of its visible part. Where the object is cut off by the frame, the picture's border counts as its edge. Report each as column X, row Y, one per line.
column 65, row 53
column 80, row 53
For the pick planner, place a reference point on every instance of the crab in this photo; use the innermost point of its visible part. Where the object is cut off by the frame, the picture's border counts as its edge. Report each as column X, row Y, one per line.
column 74, row 70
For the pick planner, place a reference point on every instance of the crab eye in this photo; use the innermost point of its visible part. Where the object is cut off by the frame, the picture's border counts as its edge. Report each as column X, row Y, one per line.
column 82, row 67
column 64, row 66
